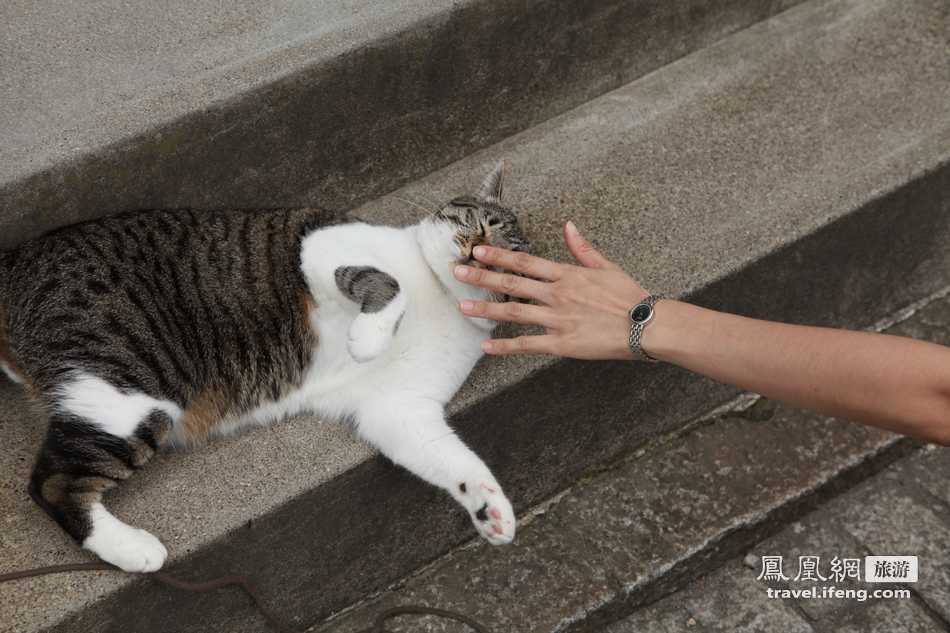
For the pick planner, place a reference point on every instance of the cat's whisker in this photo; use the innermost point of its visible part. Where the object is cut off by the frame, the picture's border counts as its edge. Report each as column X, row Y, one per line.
column 435, row 200
column 426, row 200
column 415, row 204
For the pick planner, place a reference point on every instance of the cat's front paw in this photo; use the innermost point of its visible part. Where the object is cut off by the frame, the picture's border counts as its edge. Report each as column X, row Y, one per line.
column 369, row 336
column 491, row 512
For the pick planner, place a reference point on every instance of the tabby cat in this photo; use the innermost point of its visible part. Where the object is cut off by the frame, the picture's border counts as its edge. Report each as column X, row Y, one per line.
column 166, row 327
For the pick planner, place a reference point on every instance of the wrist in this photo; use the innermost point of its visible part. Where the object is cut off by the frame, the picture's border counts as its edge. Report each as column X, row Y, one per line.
column 641, row 317
column 664, row 336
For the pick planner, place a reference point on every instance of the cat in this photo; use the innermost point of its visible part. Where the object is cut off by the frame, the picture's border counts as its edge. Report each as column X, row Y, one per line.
column 156, row 328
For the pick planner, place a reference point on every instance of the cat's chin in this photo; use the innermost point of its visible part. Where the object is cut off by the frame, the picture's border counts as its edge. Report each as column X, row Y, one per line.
column 436, row 242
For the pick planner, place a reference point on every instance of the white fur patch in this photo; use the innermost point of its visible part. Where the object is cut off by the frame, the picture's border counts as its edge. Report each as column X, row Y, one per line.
column 100, row 403
column 126, row 547
column 372, row 332
column 397, row 400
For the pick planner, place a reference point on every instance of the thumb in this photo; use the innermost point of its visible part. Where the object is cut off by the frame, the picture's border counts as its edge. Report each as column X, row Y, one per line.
column 582, row 250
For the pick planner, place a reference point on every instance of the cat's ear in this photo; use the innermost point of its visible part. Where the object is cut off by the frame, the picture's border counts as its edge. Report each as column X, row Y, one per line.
column 493, row 185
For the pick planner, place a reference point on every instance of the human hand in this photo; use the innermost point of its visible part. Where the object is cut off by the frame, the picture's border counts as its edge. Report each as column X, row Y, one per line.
column 584, row 309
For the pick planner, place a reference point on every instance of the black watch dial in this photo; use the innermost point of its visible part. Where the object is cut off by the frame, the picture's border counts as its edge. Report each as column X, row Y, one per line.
column 641, row 313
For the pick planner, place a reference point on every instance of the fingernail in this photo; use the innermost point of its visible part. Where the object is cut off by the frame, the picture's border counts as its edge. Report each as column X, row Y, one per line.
column 480, row 251
column 571, row 227
column 461, row 272
column 467, row 306
column 486, row 346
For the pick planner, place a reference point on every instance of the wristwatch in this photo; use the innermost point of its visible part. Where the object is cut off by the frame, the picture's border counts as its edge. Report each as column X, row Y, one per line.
column 640, row 316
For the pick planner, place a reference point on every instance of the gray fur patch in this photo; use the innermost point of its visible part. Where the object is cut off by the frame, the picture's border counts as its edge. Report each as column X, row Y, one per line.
column 368, row 286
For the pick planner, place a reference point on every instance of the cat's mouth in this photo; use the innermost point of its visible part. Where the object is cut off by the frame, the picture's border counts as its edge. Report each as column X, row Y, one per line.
column 467, row 254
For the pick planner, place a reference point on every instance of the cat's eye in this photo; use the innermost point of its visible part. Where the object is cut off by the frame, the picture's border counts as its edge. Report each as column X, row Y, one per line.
column 494, row 223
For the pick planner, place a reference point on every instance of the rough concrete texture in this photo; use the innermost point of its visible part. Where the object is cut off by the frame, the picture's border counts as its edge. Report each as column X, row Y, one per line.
column 809, row 538
column 122, row 104
column 613, row 539
column 720, row 601
column 887, row 516
column 897, row 616
column 888, row 513
column 776, row 179
column 891, row 514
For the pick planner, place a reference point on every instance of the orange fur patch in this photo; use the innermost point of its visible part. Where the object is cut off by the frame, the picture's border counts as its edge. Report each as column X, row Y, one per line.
column 203, row 414
column 307, row 306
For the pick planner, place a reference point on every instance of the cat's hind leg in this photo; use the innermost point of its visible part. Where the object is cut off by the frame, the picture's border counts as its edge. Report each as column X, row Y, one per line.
column 414, row 434
column 382, row 305
column 98, row 437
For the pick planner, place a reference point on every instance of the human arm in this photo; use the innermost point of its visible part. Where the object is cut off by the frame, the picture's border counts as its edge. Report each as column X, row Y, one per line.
column 892, row 382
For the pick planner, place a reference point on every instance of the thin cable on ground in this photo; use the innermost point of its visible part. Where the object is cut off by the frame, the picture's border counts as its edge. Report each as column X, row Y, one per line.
column 244, row 583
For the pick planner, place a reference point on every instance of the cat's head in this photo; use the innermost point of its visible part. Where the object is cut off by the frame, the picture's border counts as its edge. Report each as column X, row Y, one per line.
column 449, row 235
column 482, row 219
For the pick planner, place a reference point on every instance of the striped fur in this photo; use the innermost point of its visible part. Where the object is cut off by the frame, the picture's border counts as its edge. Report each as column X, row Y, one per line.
column 371, row 288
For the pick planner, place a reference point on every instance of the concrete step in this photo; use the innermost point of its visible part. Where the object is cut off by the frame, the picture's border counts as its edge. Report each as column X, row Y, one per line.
column 125, row 104
column 902, row 509
column 652, row 522
column 795, row 170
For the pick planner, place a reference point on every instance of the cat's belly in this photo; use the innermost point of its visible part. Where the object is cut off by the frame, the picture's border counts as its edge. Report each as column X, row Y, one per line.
column 432, row 353
column 429, row 358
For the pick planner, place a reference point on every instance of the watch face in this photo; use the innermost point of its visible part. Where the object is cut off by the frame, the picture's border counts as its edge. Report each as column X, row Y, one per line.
column 641, row 313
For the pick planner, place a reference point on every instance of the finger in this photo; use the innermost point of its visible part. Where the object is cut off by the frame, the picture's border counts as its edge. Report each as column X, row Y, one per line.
column 542, row 344
column 523, row 263
column 512, row 311
column 504, row 283
column 582, row 250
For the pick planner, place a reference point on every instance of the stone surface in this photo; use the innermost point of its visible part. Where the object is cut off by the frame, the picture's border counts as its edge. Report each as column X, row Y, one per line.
column 889, row 518
column 610, row 538
column 886, row 514
column 896, row 616
column 746, row 172
column 728, row 600
column 931, row 472
column 732, row 598
column 123, row 104
column 664, row 617
column 725, row 600
column 815, row 536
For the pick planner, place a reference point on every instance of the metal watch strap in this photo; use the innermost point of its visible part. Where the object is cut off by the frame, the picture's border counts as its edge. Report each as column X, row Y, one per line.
column 636, row 330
